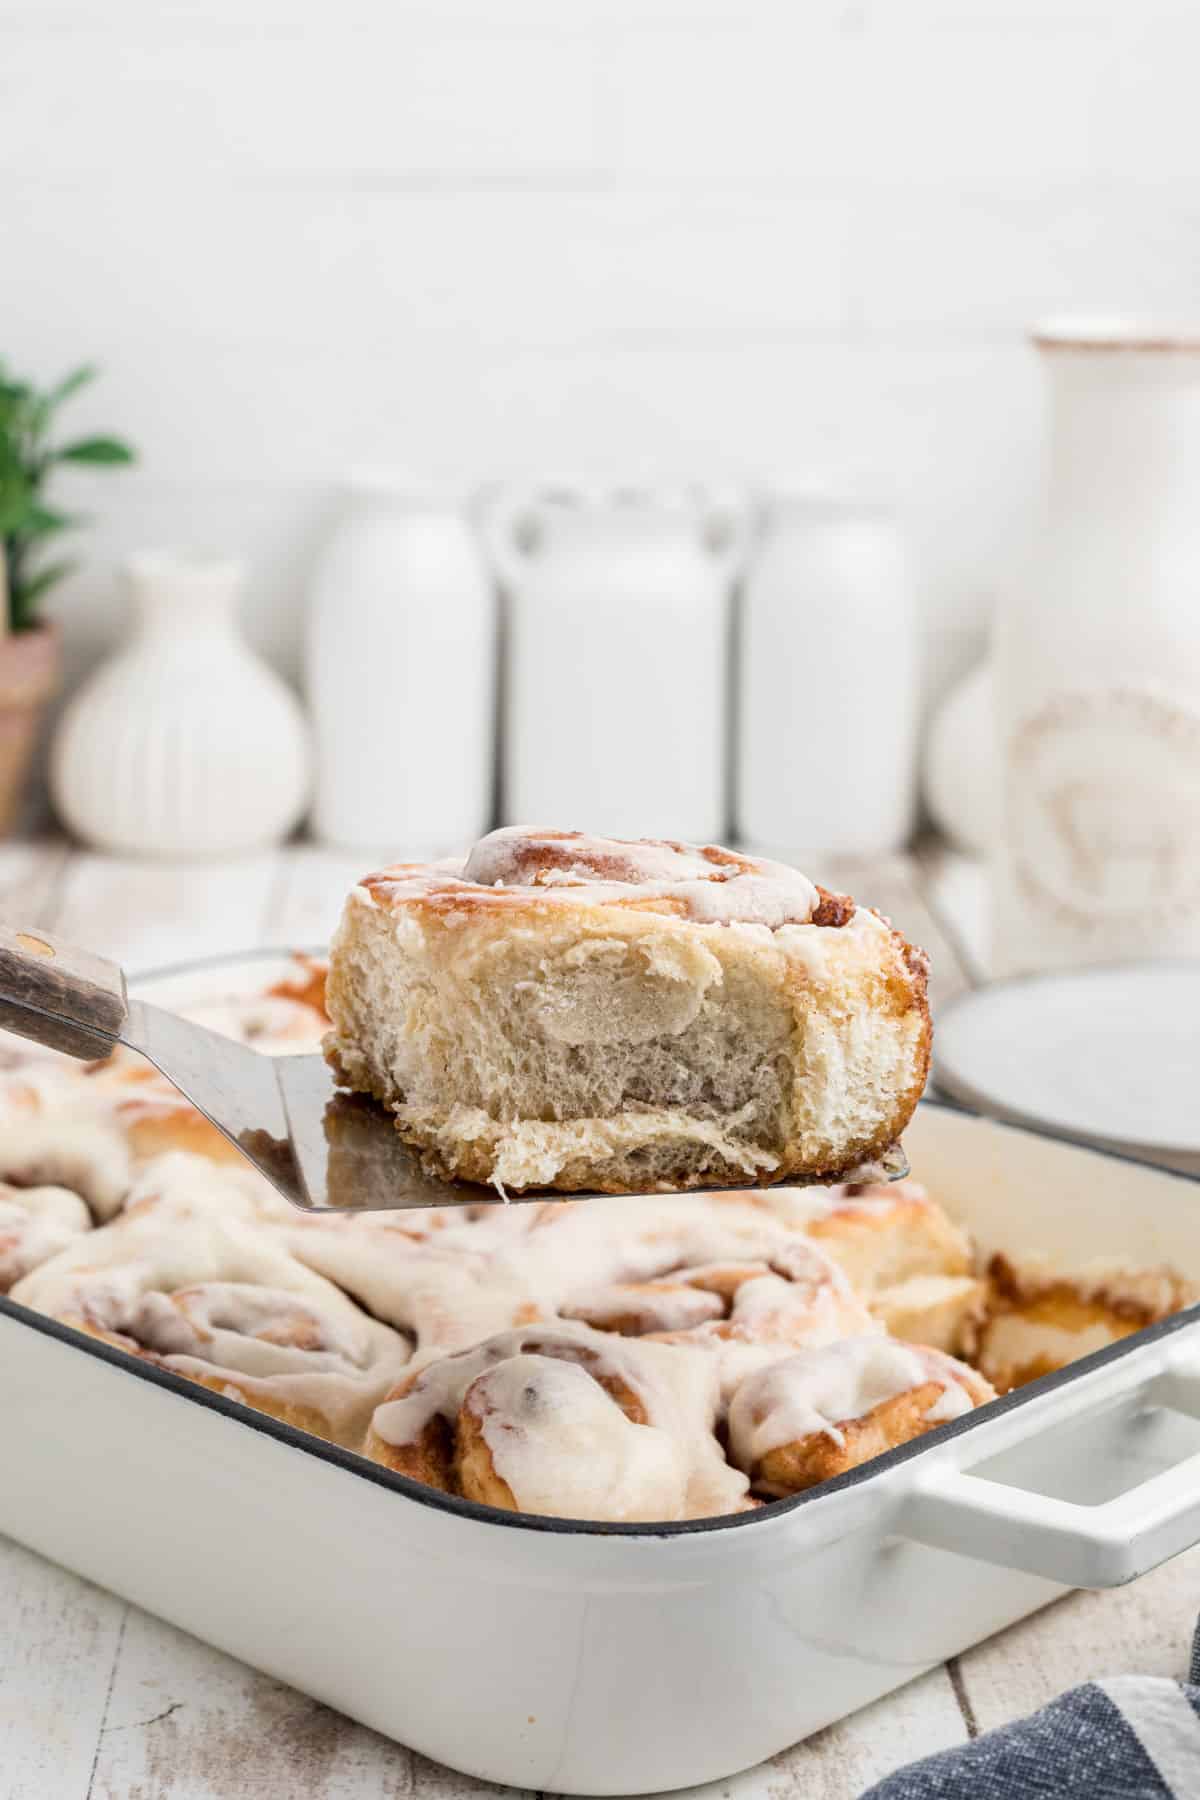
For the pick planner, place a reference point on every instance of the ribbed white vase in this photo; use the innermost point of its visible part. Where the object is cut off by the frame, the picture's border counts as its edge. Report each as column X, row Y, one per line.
column 184, row 743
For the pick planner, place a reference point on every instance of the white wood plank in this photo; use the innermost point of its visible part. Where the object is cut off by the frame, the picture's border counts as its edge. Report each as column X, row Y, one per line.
column 57, row 1653
column 31, row 876
column 185, row 1722
column 1143, row 1629
column 150, row 914
column 841, row 1761
column 313, row 882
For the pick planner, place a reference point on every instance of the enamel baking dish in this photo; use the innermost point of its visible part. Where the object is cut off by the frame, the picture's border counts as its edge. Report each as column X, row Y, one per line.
column 619, row 1659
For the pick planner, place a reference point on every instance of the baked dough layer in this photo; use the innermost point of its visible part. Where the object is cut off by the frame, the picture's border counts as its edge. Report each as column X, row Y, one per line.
column 575, row 1013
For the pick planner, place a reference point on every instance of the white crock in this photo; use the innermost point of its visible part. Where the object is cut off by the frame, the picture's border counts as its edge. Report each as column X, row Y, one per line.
column 1098, row 664
column 827, row 713
column 185, row 743
column 400, row 673
column 616, row 691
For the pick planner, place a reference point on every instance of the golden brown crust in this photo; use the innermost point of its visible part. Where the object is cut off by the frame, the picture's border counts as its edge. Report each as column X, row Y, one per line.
column 1090, row 1306
column 791, row 1468
column 254, row 1394
column 833, row 910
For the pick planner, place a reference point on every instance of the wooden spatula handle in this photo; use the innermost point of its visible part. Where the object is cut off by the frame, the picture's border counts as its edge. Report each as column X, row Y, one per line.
column 58, row 995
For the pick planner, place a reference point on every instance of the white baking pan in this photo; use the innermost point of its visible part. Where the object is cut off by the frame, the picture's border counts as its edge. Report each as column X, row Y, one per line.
column 616, row 1659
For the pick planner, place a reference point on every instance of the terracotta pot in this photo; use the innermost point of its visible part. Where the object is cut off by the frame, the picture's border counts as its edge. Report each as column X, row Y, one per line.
column 29, row 672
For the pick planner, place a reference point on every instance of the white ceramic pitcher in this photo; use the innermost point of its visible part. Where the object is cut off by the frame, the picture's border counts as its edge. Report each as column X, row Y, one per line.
column 616, row 689
column 1098, row 664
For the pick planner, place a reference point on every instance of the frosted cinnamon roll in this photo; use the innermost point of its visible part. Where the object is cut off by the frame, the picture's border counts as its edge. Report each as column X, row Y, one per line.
column 1039, row 1317
column 564, row 1421
column 881, row 1235
column 451, row 1278
column 35, row 1224
column 908, row 1260
column 195, row 1289
column 580, row 1013
column 85, row 1154
column 802, row 1299
column 816, row 1414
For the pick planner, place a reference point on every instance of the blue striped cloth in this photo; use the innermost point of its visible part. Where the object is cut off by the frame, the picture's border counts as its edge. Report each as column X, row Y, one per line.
column 1134, row 1737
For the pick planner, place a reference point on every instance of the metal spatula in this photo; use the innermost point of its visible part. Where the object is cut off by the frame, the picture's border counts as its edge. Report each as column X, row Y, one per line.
column 324, row 1150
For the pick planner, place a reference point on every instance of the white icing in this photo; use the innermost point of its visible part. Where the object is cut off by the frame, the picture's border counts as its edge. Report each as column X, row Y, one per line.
column 451, row 1279
column 819, row 1391
column 564, row 1447
column 675, row 1389
column 191, row 1274
column 711, row 888
column 35, row 1224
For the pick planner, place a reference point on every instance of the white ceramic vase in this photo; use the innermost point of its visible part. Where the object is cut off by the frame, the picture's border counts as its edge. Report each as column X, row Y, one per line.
column 616, row 689
column 1098, row 664
column 827, row 721
column 400, row 674
column 184, row 743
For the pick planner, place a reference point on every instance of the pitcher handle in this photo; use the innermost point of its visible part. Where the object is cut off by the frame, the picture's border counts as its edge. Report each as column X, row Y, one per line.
column 506, row 514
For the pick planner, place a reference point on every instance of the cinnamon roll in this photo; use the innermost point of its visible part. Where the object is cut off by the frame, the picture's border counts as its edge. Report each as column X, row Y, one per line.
column 565, row 1421
column 579, row 1013
column 449, row 1278
column 814, row 1415
column 35, row 1224
column 803, row 1299
column 192, row 1283
column 1039, row 1318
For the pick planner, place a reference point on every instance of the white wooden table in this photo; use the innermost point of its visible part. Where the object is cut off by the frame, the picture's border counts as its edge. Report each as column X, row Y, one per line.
column 99, row 1701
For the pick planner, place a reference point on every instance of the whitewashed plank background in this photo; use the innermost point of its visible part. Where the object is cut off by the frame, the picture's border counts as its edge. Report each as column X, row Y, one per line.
column 728, row 237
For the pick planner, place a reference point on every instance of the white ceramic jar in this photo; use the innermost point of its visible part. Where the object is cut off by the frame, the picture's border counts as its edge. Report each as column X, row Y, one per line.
column 1098, row 664
column 185, row 743
column 827, row 713
column 400, row 674
column 616, row 686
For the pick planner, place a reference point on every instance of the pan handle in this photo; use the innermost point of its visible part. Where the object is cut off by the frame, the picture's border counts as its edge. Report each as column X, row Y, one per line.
column 1076, row 1544
column 57, row 995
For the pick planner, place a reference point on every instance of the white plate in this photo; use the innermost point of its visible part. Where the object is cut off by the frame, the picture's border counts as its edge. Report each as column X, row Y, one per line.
column 1107, row 1054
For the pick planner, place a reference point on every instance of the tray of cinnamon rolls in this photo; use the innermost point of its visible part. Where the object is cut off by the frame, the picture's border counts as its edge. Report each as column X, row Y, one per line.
column 704, row 1413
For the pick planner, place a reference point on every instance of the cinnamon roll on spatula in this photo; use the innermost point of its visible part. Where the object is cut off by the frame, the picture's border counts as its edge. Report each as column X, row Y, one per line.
column 589, row 1015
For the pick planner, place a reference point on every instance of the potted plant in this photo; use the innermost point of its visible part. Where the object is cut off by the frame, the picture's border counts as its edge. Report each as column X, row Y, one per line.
column 29, row 528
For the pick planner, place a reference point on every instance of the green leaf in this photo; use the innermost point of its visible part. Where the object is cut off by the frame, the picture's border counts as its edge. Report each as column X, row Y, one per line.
column 31, row 590
column 70, row 384
column 40, row 521
column 94, row 450
column 44, row 405
column 15, row 498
